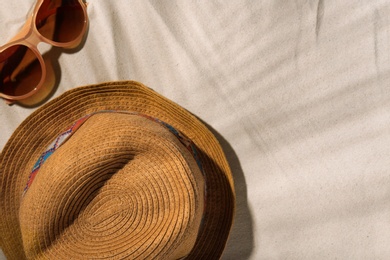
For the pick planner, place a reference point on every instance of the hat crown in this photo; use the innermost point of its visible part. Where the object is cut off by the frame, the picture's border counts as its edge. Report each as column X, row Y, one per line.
column 35, row 133
column 122, row 184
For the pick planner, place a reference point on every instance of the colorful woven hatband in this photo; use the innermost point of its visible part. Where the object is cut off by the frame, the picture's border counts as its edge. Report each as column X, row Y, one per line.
column 114, row 171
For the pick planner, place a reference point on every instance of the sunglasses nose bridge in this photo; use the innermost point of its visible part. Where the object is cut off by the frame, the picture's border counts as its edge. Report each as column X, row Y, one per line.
column 33, row 39
column 27, row 35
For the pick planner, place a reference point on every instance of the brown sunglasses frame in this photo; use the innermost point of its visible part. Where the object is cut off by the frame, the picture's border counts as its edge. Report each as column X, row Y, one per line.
column 30, row 37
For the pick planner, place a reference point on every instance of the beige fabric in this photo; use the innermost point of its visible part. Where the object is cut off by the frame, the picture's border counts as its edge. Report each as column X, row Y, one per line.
column 298, row 92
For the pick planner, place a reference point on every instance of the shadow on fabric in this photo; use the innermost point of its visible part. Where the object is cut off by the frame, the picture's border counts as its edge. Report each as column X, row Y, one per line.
column 240, row 244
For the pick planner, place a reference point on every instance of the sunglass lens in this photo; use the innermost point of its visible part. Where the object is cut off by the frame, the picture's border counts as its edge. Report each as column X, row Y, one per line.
column 20, row 71
column 60, row 20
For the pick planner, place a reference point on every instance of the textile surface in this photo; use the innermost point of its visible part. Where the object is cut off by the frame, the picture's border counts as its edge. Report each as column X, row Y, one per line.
column 297, row 92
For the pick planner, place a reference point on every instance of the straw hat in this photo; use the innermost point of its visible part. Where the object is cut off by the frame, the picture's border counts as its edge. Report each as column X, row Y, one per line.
column 114, row 171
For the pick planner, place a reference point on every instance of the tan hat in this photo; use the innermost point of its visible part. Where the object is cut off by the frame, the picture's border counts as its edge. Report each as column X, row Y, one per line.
column 114, row 171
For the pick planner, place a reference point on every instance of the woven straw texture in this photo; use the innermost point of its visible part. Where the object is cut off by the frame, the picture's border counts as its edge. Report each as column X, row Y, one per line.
column 55, row 210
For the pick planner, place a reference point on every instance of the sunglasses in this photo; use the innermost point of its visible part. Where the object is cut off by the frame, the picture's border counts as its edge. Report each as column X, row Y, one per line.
column 60, row 23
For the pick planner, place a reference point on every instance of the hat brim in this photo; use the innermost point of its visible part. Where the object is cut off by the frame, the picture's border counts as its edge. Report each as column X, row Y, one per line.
column 42, row 126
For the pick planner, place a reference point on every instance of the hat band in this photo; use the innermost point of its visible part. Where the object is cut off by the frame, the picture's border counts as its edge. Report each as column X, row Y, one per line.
column 64, row 136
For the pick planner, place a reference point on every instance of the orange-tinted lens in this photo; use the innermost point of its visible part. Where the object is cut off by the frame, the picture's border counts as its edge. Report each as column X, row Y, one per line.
column 20, row 71
column 60, row 20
